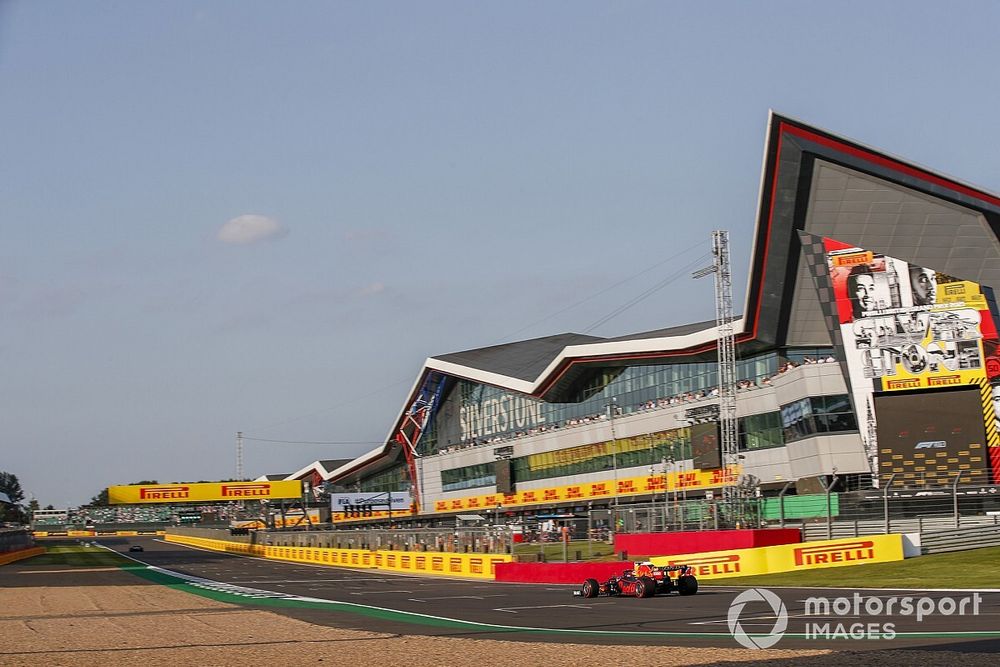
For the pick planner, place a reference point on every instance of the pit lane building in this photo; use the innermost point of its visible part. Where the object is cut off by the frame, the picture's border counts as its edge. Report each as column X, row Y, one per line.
column 867, row 350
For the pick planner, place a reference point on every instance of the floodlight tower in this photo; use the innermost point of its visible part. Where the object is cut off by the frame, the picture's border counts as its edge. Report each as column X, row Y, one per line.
column 726, row 352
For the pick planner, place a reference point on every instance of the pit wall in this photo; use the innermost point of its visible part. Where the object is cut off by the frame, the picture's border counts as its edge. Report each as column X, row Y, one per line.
column 12, row 556
column 478, row 566
column 690, row 542
column 790, row 557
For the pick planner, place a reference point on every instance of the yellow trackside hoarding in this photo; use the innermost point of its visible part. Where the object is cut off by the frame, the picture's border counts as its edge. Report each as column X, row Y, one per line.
column 835, row 553
column 205, row 491
column 720, row 564
column 790, row 557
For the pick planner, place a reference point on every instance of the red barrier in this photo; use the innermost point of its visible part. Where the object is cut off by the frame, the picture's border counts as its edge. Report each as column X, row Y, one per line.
column 690, row 542
column 559, row 573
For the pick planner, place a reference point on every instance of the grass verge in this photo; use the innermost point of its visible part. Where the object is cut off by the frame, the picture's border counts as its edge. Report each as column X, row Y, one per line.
column 977, row 568
column 75, row 555
column 594, row 551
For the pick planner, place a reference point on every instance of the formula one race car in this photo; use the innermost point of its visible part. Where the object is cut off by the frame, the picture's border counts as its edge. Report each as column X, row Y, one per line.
column 645, row 580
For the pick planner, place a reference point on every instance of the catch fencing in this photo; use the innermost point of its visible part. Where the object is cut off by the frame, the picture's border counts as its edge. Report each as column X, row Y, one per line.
column 15, row 539
column 828, row 515
column 498, row 539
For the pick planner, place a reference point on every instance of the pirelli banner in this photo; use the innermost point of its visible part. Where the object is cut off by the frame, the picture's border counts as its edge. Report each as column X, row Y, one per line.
column 629, row 486
column 205, row 491
column 790, row 557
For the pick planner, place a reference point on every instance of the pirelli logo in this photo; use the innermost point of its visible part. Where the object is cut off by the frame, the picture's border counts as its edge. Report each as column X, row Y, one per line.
column 246, row 490
column 853, row 259
column 944, row 380
column 164, row 492
column 845, row 552
column 911, row 383
column 709, row 565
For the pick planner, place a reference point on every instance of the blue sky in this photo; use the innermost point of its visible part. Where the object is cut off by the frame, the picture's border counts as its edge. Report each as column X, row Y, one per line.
column 423, row 178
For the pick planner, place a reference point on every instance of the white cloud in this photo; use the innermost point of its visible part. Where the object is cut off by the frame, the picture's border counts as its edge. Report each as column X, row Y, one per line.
column 250, row 228
column 374, row 288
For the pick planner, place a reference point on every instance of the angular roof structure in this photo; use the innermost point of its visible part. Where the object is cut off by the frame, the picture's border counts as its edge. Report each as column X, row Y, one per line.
column 813, row 182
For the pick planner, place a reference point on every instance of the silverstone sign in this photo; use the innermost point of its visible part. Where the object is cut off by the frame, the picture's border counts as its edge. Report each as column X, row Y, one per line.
column 499, row 415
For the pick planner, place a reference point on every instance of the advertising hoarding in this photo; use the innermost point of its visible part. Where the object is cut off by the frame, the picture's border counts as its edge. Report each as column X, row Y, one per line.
column 400, row 500
column 907, row 327
column 203, row 491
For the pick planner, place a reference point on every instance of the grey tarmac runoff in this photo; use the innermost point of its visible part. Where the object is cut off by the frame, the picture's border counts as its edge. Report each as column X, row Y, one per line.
column 379, row 601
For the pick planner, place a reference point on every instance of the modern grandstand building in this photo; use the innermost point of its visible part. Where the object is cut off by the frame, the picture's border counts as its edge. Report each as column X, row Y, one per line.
column 867, row 351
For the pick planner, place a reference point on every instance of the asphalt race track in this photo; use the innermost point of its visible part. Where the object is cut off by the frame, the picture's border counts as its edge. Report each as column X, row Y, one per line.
column 546, row 612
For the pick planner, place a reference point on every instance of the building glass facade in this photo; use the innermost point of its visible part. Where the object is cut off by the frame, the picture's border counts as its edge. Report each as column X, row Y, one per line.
column 486, row 414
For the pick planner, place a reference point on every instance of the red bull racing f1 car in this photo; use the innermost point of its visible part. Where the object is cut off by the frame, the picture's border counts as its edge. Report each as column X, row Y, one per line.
column 645, row 580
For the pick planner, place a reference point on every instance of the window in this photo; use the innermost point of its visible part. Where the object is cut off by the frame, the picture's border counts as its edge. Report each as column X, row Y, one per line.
column 469, row 477
column 761, row 431
column 818, row 414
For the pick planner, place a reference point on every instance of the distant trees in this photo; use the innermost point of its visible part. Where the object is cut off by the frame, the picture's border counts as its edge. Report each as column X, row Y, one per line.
column 11, row 486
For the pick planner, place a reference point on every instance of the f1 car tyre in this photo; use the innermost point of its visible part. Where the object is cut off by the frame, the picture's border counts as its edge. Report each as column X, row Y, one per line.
column 645, row 587
column 687, row 585
column 590, row 588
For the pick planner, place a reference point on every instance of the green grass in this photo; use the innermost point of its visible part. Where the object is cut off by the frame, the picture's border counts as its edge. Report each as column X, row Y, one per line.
column 598, row 551
column 75, row 555
column 977, row 568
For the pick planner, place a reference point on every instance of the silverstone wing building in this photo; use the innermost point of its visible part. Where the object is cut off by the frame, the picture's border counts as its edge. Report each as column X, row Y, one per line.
column 867, row 352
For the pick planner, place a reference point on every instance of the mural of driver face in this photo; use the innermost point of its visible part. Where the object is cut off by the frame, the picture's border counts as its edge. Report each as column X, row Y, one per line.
column 923, row 284
column 862, row 292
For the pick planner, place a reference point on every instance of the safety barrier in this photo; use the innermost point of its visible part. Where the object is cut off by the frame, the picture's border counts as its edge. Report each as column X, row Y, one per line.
column 559, row 573
column 480, row 566
column 12, row 556
column 820, row 531
column 689, row 542
column 960, row 539
column 790, row 557
column 95, row 533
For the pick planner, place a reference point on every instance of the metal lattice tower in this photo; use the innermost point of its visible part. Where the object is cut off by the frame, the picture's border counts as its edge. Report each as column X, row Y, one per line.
column 726, row 351
column 239, row 456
